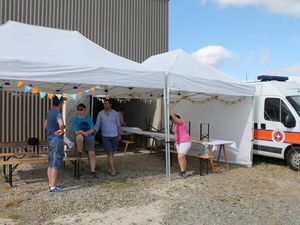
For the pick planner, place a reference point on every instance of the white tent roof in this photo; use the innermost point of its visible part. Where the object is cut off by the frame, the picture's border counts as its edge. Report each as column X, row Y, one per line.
column 43, row 55
column 188, row 74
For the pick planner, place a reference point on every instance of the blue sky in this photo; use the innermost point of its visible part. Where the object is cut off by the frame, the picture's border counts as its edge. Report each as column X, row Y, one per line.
column 239, row 37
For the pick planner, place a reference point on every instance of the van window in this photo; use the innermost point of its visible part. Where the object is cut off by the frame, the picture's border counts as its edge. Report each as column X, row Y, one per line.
column 276, row 110
column 295, row 102
column 272, row 109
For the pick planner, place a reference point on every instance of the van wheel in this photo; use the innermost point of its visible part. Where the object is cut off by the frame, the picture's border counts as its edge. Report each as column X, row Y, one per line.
column 293, row 158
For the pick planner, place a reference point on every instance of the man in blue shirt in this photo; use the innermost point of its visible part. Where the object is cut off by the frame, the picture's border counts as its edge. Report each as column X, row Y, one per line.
column 83, row 128
column 54, row 125
column 109, row 122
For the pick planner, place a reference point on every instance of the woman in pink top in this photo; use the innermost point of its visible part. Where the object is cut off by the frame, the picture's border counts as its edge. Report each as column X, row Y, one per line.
column 182, row 140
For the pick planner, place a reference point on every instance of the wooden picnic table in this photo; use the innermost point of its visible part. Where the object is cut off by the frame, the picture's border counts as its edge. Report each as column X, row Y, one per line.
column 19, row 154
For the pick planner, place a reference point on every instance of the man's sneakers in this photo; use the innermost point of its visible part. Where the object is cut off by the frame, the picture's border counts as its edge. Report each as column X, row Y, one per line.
column 182, row 175
column 94, row 175
column 55, row 189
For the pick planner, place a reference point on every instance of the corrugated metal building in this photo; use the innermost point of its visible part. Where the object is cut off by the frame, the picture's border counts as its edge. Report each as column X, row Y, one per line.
column 135, row 29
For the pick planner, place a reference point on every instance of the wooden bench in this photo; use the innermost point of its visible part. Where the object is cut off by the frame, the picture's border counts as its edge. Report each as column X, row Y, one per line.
column 18, row 155
column 14, row 163
column 207, row 158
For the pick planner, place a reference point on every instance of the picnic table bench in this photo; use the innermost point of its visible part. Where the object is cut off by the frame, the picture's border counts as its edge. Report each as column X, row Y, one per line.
column 13, row 159
column 14, row 163
column 191, row 153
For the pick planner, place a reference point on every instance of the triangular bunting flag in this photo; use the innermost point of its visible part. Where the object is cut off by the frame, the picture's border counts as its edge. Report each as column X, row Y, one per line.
column 35, row 90
column 59, row 96
column 66, row 96
column 27, row 88
column 50, row 95
column 20, row 83
column 42, row 94
column 73, row 96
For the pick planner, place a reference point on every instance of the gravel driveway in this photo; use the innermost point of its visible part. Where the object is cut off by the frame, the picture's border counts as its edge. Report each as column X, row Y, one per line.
column 268, row 193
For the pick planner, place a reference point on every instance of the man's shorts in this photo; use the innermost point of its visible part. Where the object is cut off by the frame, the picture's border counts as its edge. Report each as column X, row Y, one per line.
column 88, row 144
column 55, row 154
column 110, row 144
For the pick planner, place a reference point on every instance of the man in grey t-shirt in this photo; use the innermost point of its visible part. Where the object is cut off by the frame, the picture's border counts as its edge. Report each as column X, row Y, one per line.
column 109, row 123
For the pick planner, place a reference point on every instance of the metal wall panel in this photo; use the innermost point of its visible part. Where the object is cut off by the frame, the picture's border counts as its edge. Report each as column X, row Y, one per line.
column 135, row 29
column 22, row 117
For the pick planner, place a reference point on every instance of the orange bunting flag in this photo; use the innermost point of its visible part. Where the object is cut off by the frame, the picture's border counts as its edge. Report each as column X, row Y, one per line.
column 20, row 83
column 35, row 90
column 227, row 102
column 93, row 89
column 66, row 96
column 80, row 94
column 50, row 95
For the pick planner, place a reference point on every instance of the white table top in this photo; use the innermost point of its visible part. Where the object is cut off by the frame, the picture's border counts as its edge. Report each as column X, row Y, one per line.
column 161, row 136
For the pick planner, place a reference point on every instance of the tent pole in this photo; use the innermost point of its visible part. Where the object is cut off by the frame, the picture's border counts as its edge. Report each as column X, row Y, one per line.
column 167, row 130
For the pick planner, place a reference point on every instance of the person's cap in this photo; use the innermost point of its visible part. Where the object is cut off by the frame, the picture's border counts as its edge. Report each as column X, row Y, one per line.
column 81, row 105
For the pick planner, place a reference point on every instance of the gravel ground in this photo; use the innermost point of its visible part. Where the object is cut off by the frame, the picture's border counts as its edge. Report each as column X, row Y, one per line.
column 268, row 193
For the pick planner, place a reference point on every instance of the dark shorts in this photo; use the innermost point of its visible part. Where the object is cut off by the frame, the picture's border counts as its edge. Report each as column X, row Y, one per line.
column 55, row 154
column 89, row 145
column 110, row 144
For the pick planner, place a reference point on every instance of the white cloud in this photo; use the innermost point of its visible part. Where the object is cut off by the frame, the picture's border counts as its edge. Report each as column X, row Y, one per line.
column 203, row 2
column 212, row 55
column 265, row 56
column 286, row 7
column 293, row 70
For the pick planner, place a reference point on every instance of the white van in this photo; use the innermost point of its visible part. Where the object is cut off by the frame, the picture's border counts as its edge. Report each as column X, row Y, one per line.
column 277, row 119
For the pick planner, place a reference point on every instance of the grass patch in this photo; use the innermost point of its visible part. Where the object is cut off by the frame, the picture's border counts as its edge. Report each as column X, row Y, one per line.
column 16, row 201
column 14, row 216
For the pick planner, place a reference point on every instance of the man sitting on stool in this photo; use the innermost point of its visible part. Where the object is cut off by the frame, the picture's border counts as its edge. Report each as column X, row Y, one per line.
column 84, row 128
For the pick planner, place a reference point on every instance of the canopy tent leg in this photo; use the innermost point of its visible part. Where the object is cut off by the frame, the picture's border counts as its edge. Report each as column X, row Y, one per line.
column 167, row 131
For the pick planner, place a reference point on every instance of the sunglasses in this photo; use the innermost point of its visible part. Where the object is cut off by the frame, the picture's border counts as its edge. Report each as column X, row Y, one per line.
column 80, row 109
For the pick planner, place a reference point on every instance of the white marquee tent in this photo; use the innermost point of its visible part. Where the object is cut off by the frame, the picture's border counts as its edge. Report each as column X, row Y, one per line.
column 55, row 59
column 189, row 80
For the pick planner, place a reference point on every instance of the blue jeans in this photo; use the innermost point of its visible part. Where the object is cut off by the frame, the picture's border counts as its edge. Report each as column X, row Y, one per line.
column 55, row 154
